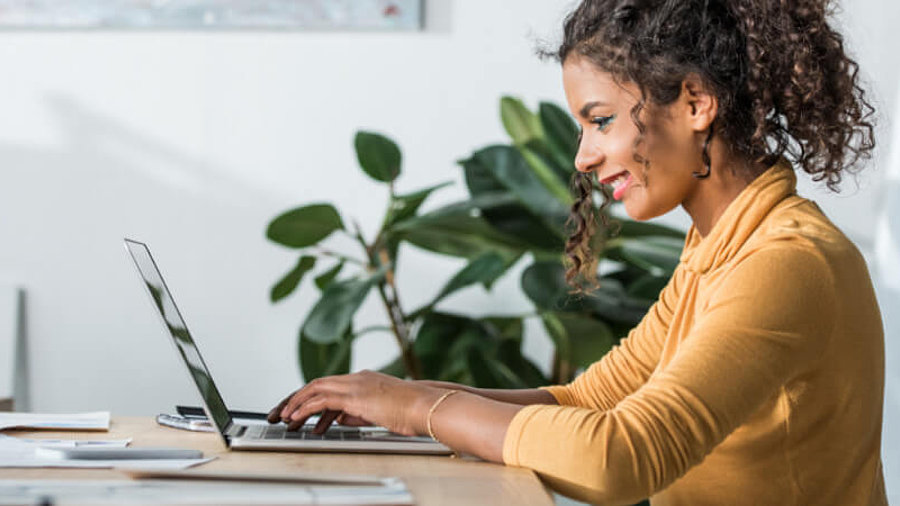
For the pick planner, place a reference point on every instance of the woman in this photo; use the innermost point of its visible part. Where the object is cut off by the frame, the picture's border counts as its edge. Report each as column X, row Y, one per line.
column 757, row 377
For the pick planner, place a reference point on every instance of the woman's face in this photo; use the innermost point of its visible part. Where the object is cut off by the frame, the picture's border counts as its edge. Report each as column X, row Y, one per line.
column 602, row 108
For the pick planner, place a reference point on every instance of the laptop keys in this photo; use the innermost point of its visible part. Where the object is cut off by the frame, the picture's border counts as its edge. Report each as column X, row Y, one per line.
column 273, row 433
column 279, row 432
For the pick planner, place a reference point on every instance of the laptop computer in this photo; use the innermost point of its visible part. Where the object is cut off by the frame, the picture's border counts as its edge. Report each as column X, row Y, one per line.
column 261, row 437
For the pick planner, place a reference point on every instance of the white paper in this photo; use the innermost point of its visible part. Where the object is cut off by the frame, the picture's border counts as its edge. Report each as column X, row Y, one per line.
column 16, row 452
column 391, row 491
column 98, row 420
column 75, row 443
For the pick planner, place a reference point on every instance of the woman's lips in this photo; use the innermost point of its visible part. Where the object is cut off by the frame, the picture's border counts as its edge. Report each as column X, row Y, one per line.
column 619, row 182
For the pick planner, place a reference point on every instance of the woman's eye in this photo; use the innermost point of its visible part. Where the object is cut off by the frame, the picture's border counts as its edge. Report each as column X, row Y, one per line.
column 603, row 122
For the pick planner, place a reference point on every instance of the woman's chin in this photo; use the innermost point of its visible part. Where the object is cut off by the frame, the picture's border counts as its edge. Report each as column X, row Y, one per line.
column 638, row 211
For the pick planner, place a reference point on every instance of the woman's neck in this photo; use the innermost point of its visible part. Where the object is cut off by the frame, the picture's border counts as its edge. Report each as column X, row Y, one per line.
column 729, row 176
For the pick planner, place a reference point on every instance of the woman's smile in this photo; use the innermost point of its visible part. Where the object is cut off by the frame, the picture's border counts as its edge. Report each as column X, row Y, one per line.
column 619, row 182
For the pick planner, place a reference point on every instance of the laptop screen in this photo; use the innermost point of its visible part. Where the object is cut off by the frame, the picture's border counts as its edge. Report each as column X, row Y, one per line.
column 164, row 302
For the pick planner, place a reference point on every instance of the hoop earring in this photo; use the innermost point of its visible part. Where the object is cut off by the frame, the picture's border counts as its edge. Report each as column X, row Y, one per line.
column 707, row 163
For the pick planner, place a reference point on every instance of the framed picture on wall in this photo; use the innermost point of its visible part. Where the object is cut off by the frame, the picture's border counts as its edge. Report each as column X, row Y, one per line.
column 213, row 14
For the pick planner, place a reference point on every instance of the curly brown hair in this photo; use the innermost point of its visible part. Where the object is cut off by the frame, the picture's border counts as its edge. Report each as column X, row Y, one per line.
column 784, row 84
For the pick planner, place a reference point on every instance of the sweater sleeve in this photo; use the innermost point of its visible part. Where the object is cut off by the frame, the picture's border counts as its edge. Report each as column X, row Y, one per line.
column 629, row 364
column 769, row 320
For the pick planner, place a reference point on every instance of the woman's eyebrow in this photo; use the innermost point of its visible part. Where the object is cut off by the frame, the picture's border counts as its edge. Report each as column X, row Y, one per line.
column 586, row 108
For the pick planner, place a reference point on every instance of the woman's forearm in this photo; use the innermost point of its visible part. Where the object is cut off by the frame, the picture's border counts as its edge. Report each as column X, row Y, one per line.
column 522, row 397
column 467, row 422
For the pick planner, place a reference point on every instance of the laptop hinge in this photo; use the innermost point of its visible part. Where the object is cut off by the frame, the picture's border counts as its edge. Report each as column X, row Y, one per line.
column 234, row 430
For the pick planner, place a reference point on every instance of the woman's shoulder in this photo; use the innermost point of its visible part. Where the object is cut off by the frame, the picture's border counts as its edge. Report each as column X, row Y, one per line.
column 800, row 224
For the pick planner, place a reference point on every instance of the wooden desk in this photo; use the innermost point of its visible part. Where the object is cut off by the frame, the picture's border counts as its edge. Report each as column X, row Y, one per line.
column 432, row 480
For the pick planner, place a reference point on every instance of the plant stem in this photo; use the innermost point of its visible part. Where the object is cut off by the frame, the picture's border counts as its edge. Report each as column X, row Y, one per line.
column 373, row 328
column 395, row 314
column 328, row 253
column 409, row 357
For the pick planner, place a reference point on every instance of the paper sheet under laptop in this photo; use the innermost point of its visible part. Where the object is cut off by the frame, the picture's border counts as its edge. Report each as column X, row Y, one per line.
column 98, row 420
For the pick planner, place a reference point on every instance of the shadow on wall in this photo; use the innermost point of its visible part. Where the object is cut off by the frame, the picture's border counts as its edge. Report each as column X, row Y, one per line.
column 107, row 179
column 63, row 213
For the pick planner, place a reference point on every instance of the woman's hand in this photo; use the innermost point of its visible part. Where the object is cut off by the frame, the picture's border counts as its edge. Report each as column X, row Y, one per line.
column 363, row 398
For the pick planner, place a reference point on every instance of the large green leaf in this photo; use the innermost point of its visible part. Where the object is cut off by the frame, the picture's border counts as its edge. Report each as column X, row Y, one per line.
column 504, row 328
column 558, row 334
column 405, row 206
column 545, row 172
column 520, row 123
column 457, row 234
column 545, row 284
column 511, row 218
column 563, row 172
column 333, row 313
column 481, row 370
column 580, row 340
column 484, row 269
column 610, row 303
column 508, row 331
column 510, row 353
column 633, row 229
column 516, row 221
column 647, row 287
column 589, row 338
column 378, row 156
column 561, row 133
column 323, row 280
column 437, row 334
column 484, row 352
column 289, row 282
column 318, row 360
column 510, row 169
column 470, row 207
column 657, row 255
column 438, row 331
column 627, row 275
column 488, row 372
column 304, row 226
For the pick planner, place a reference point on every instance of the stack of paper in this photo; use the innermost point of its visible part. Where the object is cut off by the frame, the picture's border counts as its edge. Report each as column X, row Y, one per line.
column 390, row 491
column 16, row 452
column 98, row 420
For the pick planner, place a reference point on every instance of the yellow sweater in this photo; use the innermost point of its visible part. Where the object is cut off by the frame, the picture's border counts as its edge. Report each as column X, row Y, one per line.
column 757, row 377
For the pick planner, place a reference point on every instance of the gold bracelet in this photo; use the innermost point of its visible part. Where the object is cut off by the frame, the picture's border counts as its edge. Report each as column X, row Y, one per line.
column 431, row 412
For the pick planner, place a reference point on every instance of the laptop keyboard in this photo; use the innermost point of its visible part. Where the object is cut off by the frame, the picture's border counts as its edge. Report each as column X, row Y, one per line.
column 277, row 432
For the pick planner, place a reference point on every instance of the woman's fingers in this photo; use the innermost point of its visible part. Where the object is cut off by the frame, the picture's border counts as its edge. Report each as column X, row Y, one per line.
column 312, row 388
column 297, row 407
column 275, row 414
column 311, row 407
column 326, row 420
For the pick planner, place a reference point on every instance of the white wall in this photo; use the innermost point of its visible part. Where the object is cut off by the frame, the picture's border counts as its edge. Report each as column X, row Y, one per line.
column 193, row 141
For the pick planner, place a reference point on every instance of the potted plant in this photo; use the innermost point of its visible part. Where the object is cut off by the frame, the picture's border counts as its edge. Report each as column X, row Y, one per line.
column 517, row 210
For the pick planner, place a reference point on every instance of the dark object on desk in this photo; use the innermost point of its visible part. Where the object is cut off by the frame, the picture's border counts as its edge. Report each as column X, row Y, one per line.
column 197, row 412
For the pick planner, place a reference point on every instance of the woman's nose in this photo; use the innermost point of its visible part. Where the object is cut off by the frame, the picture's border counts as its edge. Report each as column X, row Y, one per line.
column 588, row 157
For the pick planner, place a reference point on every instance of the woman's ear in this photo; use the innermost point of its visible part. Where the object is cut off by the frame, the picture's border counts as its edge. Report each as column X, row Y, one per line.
column 699, row 103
